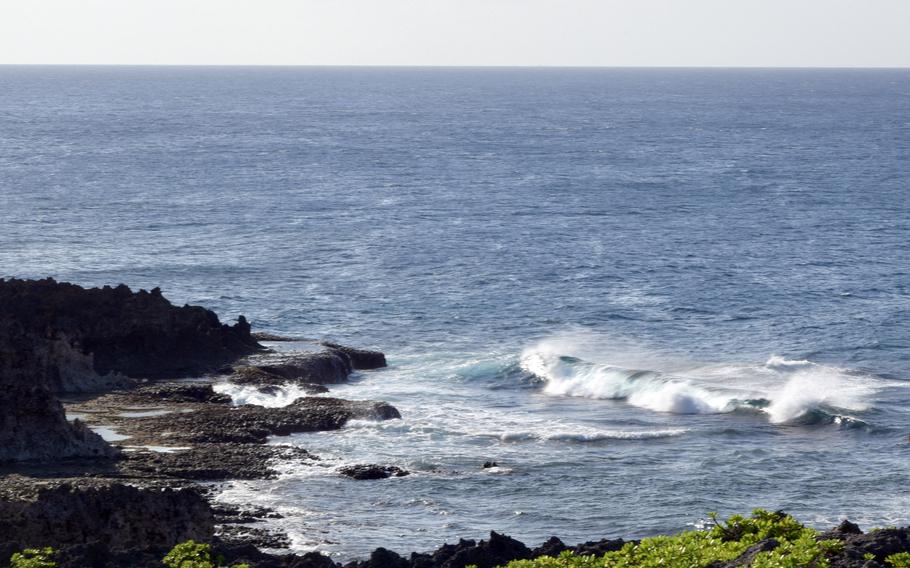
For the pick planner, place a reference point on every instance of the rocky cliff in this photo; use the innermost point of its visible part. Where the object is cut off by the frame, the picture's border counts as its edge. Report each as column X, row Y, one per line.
column 57, row 337
column 75, row 332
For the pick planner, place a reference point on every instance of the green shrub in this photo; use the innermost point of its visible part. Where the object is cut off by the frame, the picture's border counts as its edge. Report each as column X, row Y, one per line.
column 899, row 560
column 34, row 558
column 724, row 541
column 191, row 554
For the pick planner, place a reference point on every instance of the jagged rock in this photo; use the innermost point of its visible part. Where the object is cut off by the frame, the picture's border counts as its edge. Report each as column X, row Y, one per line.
column 212, row 462
column 599, row 547
column 158, row 393
column 257, row 536
column 381, row 558
column 243, row 514
column 499, row 549
column 307, row 388
column 322, row 367
column 252, row 375
column 372, row 471
column 249, row 554
column 33, row 426
column 57, row 337
column 841, row 531
column 220, row 424
column 60, row 513
column 268, row 336
column 552, row 547
column 748, row 556
column 880, row 543
column 117, row 331
column 361, row 359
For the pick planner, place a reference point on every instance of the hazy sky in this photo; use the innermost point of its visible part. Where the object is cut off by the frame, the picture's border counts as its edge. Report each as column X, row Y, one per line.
column 848, row 33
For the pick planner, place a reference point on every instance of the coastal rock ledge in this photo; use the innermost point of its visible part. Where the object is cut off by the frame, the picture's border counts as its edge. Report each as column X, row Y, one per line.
column 61, row 338
column 109, row 351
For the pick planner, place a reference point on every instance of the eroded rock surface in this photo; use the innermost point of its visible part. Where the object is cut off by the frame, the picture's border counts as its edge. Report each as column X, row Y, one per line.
column 57, row 337
column 33, row 426
column 104, row 507
column 372, row 471
column 136, row 334
column 64, row 512
column 222, row 424
column 361, row 359
column 322, row 367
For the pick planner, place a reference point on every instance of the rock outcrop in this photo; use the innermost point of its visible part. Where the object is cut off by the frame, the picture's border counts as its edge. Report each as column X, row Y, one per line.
column 58, row 337
column 114, row 330
column 83, row 512
column 361, row 359
column 496, row 551
column 218, row 424
column 33, row 426
column 372, row 471
column 322, row 367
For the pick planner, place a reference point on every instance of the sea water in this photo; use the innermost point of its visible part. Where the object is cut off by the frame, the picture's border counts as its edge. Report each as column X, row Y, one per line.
column 644, row 294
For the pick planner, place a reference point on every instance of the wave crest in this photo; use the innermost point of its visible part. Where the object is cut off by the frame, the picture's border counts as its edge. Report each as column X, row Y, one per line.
column 787, row 391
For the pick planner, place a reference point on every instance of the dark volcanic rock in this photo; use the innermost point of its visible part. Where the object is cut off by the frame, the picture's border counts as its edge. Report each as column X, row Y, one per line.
column 219, row 424
column 381, row 557
column 748, row 556
column 599, row 547
column 252, row 375
column 257, row 536
column 237, row 514
column 552, row 547
column 60, row 513
column 500, row 549
column 33, row 426
column 880, row 543
column 57, row 337
column 361, row 359
column 212, row 462
column 268, row 336
column 841, row 531
column 308, row 388
column 247, row 553
column 158, row 393
column 323, row 367
column 372, row 471
column 118, row 331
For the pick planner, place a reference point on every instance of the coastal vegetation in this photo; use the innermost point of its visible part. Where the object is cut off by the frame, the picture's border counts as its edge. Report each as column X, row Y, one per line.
column 34, row 558
column 191, row 554
column 763, row 540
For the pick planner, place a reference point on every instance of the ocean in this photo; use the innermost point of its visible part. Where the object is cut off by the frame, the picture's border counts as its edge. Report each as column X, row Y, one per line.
column 646, row 294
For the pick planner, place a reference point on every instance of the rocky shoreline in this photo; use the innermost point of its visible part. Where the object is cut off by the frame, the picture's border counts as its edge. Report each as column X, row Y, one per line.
column 76, row 361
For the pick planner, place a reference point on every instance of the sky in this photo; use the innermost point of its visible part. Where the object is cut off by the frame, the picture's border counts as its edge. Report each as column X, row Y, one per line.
column 727, row 33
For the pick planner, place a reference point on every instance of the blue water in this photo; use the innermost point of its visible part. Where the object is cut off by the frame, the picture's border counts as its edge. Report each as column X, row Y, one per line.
column 647, row 294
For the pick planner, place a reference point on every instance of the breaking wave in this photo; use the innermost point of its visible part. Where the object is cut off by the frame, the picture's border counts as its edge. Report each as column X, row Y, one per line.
column 787, row 391
column 272, row 397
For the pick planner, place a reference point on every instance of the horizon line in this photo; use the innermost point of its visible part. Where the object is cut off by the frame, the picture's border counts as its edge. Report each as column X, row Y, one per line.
column 427, row 66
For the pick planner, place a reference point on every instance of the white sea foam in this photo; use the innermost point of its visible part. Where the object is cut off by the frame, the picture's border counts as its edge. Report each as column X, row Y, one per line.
column 509, row 429
column 814, row 387
column 591, row 435
column 282, row 395
column 787, row 390
column 568, row 376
